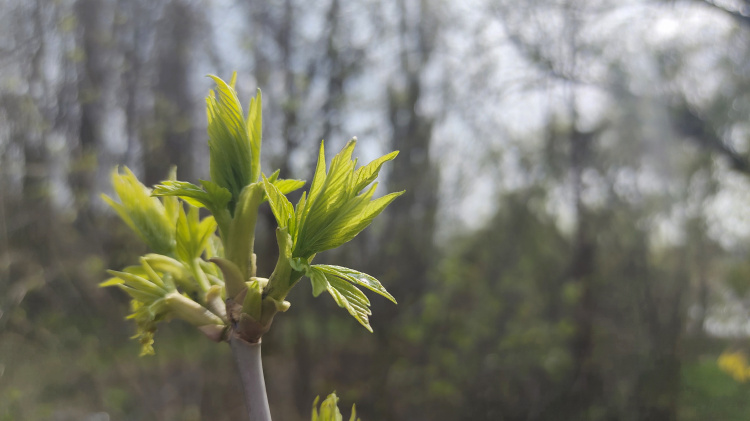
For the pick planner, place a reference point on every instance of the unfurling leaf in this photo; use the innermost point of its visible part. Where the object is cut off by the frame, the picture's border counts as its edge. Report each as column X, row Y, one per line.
column 357, row 278
column 285, row 186
column 192, row 234
column 318, row 280
column 336, row 209
column 144, row 214
column 233, row 141
column 353, row 300
column 340, row 283
column 211, row 196
column 280, row 206
column 329, row 410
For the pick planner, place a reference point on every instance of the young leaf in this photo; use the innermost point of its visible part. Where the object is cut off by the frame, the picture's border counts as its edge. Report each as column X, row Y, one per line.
column 146, row 317
column 329, row 234
column 138, row 283
column 192, row 234
column 349, row 297
column 318, row 280
column 328, row 411
column 214, row 197
column 335, row 211
column 144, row 214
column 346, row 227
column 185, row 230
column 319, row 178
column 233, row 141
column 365, row 175
column 287, row 186
column 147, row 290
column 167, row 266
column 355, row 277
column 171, row 204
column 255, row 130
column 280, row 206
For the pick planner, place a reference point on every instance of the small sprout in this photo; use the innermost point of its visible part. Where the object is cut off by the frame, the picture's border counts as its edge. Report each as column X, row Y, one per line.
column 329, row 410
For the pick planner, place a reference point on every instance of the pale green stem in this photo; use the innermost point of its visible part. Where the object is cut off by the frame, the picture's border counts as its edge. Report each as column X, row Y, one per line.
column 238, row 244
column 250, row 367
column 284, row 277
column 223, row 219
column 199, row 275
column 190, row 311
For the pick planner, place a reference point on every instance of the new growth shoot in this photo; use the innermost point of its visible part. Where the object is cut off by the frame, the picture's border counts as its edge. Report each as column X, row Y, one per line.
column 202, row 269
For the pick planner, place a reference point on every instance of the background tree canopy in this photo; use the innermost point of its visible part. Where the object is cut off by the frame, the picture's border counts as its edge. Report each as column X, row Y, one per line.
column 572, row 244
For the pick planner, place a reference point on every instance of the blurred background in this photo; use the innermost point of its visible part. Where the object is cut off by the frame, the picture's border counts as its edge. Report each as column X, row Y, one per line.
column 572, row 245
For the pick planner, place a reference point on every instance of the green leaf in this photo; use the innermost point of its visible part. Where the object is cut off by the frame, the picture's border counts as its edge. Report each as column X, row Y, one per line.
column 111, row 282
column 352, row 299
column 280, row 206
column 144, row 214
column 134, row 270
column 233, row 141
column 255, row 130
column 214, row 247
column 138, row 294
column 315, row 416
column 185, row 230
column 146, row 316
column 298, row 212
column 287, row 186
column 334, row 213
column 154, row 277
column 355, row 277
column 329, row 410
column 368, row 173
column 155, row 298
column 319, row 178
column 219, row 195
column 275, row 176
column 171, row 203
column 339, row 282
column 331, row 232
column 206, row 228
column 346, row 228
column 192, row 234
column 337, row 180
column 214, row 197
column 299, row 264
column 318, row 280
column 167, row 266
column 138, row 283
